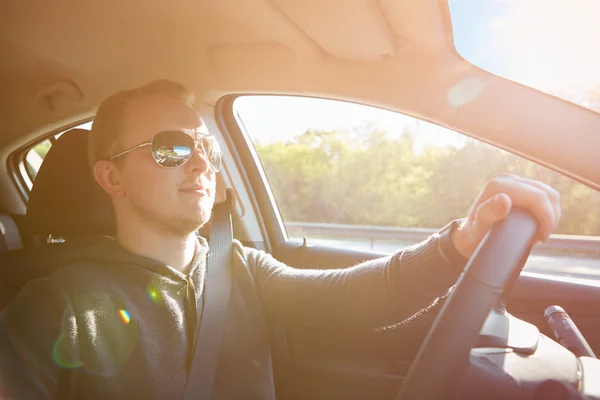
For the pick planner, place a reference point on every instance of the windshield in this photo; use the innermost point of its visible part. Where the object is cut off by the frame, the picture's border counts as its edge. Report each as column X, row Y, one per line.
column 550, row 45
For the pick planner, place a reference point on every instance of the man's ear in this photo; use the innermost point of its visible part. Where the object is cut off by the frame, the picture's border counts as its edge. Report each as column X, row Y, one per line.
column 109, row 178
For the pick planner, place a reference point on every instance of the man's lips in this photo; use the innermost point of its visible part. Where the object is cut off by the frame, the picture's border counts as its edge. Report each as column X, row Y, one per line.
column 194, row 189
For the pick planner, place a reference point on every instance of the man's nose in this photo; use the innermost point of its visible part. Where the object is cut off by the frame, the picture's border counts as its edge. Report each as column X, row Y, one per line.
column 199, row 161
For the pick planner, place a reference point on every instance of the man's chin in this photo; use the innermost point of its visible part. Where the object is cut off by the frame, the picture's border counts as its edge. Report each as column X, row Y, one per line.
column 180, row 220
column 193, row 221
column 185, row 227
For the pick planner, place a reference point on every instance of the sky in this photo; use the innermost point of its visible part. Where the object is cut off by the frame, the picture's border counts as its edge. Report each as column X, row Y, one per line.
column 551, row 45
column 269, row 119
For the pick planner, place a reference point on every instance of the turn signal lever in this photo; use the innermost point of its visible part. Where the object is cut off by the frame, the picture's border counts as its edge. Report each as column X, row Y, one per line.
column 566, row 332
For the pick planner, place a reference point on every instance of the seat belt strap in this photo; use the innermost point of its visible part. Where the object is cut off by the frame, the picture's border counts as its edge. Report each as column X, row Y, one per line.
column 216, row 302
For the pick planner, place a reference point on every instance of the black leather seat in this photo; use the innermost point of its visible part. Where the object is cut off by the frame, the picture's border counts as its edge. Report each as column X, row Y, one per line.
column 10, row 237
column 65, row 203
column 65, row 200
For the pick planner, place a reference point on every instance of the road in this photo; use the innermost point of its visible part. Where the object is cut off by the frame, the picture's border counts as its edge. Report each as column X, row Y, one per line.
column 587, row 267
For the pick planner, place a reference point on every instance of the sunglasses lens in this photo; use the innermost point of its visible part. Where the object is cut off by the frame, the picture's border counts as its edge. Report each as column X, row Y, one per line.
column 171, row 149
column 211, row 149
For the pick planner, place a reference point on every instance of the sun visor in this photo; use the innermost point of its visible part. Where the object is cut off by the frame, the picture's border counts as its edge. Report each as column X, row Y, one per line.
column 354, row 30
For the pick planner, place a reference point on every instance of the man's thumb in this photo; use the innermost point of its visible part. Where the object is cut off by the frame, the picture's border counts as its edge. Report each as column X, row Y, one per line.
column 491, row 211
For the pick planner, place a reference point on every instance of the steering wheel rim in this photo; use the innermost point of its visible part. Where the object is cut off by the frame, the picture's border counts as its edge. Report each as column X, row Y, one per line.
column 443, row 359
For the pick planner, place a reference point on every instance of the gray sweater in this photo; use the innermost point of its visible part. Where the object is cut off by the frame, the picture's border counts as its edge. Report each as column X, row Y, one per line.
column 112, row 324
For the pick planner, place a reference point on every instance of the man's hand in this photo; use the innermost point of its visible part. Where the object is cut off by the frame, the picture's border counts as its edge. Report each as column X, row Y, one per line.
column 496, row 200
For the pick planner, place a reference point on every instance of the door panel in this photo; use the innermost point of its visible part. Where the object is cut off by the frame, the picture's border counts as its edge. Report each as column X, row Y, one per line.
column 325, row 362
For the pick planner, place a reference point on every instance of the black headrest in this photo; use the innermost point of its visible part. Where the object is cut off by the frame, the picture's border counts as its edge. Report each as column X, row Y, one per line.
column 65, row 200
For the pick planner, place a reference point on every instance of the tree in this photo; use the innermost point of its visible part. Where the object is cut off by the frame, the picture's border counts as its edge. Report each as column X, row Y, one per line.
column 368, row 178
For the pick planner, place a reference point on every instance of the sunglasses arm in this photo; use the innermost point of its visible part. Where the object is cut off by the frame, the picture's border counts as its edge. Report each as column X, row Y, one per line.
column 129, row 150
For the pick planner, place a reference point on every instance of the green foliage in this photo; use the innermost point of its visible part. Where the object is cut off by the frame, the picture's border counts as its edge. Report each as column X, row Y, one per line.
column 372, row 179
column 42, row 148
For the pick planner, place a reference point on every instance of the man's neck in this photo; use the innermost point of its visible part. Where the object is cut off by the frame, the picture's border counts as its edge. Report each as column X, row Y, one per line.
column 165, row 247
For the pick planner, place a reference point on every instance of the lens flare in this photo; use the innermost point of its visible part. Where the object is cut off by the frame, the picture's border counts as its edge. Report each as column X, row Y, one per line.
column 154, row 293
column 63, row 353
column 466, row 91
column 125, row 317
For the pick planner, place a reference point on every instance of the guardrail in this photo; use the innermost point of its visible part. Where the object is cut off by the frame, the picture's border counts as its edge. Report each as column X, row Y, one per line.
column 557, row 243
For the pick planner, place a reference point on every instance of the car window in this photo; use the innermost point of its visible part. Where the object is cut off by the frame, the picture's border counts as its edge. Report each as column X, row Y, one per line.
column 33, row 157
column 355, row 176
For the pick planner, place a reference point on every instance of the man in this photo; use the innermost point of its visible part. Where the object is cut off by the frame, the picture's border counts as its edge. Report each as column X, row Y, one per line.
column 119, row 319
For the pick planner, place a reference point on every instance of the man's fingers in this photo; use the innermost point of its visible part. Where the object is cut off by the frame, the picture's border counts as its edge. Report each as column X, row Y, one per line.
column 529, row 197
column 553, row 194
column 489, row 212
column 498, row 197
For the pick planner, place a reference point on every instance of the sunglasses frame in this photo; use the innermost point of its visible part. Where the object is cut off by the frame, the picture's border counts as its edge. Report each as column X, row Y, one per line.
column 149, row 143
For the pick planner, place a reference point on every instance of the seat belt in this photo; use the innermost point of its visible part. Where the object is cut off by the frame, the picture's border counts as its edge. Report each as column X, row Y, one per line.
column 216, row 301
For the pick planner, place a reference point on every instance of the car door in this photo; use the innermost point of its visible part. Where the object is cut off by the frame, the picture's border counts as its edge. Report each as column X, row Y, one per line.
column 337, row 183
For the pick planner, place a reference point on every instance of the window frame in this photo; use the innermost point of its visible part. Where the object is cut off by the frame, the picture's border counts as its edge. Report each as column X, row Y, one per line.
column 250, row 167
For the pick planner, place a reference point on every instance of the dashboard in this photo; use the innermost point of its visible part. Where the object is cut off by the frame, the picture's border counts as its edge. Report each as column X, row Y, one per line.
column 513, row 360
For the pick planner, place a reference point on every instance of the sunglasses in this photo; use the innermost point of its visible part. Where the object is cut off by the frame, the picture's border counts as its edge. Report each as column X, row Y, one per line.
column 171, row 149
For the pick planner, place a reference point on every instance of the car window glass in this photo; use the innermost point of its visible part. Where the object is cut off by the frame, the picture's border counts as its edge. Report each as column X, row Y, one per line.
column 355, row 176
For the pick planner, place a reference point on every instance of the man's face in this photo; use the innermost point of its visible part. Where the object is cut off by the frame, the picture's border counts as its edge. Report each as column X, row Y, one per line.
column 178, row 199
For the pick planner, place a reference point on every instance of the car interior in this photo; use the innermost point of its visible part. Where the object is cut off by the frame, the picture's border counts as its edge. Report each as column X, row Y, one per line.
column 62, row 58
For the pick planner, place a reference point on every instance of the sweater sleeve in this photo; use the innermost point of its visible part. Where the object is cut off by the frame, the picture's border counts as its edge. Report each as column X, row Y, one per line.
column 37, row 342
column 373, row 294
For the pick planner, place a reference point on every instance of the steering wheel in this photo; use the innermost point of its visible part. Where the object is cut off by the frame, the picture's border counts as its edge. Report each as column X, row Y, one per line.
column 443, row 359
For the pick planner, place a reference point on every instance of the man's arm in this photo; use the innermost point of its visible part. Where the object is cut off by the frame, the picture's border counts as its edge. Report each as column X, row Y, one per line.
column 381, row 292
column 372, row 294
column 37, row 342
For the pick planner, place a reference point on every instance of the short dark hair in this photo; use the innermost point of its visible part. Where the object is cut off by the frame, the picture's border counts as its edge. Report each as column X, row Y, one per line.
column 108, row 122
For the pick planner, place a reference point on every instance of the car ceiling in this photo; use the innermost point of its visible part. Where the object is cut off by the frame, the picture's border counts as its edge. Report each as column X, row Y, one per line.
column 61, row 58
